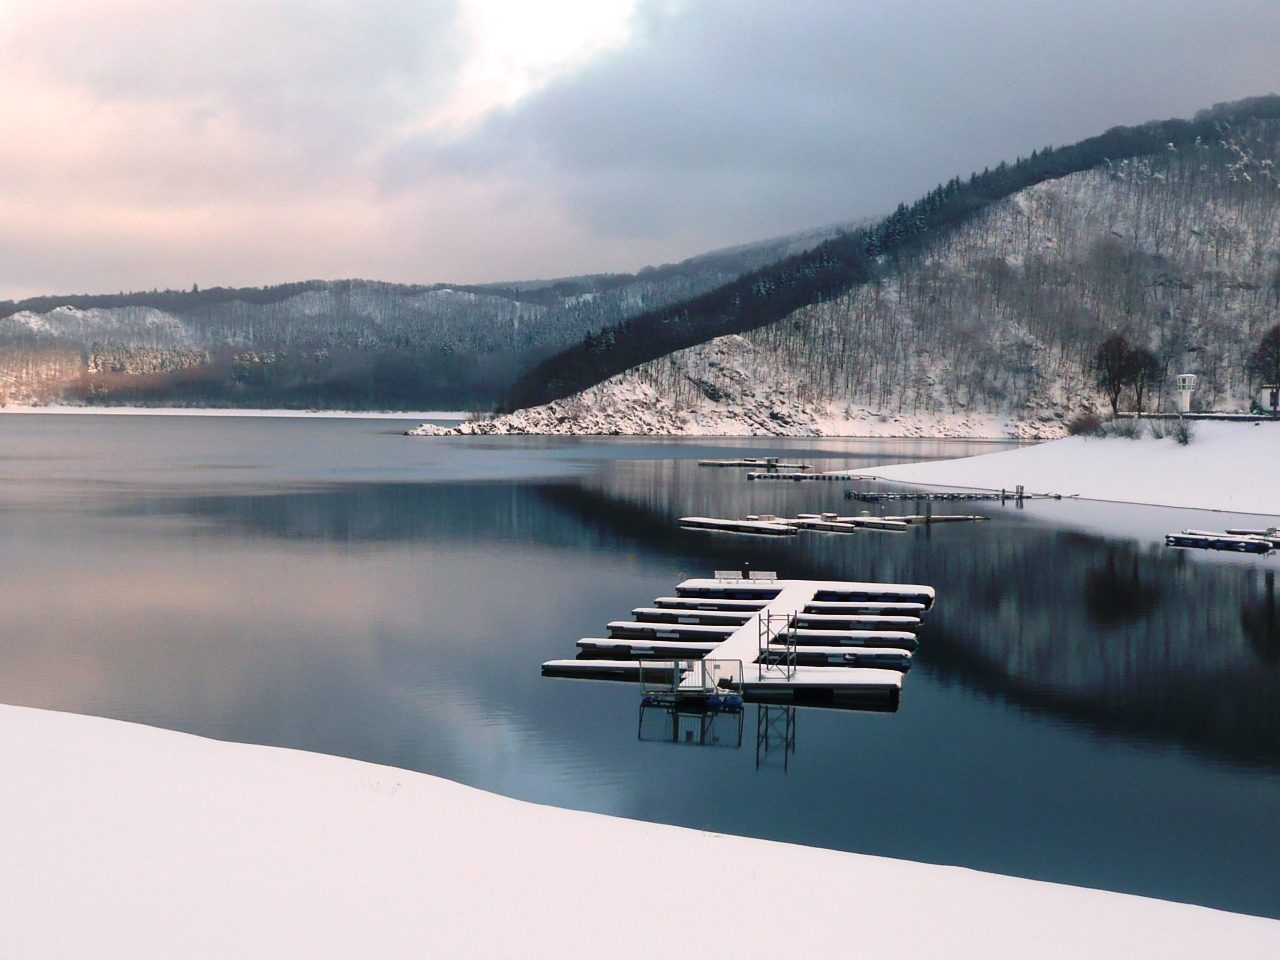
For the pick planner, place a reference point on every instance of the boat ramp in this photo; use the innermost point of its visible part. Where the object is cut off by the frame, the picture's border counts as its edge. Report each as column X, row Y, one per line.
column 723, row 641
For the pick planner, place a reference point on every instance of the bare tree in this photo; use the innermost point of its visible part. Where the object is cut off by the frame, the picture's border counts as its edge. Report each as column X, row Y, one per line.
column 1264, row 362
column 1145, row 372
column 1111, row 369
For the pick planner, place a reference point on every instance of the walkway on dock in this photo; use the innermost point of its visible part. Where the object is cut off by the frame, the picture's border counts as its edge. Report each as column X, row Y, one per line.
column 799, row 641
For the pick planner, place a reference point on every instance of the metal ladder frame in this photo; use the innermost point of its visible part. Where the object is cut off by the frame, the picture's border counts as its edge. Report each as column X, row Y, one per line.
column 777, row 630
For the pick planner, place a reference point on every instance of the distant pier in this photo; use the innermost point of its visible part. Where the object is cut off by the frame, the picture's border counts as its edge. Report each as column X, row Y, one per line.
column 766, row 524
column 769, row 464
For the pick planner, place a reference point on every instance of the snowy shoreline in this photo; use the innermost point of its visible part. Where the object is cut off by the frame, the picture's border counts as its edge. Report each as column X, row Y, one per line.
column 130, row 841
column 1228, row 467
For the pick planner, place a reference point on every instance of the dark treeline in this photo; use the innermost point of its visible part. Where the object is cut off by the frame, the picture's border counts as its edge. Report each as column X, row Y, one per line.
column 350, row 379
column 831, row 269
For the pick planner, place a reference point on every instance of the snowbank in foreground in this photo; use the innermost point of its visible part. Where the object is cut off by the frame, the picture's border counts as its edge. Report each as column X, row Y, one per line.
column 1228, row 466
column 127, row 841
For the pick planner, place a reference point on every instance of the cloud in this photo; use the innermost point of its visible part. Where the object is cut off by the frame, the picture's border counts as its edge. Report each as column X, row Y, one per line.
column 147, row 143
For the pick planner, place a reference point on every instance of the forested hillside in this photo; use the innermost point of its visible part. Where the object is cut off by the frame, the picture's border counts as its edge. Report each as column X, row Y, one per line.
column 347, row 344
column 989, row 328
column 877, row 254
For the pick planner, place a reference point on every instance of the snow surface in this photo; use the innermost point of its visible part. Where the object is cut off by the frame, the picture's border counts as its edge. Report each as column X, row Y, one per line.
column 1231, row 467
column 756, row 397
column 127, row 841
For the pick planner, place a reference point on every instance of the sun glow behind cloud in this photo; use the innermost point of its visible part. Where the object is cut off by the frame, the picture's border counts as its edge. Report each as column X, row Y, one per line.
column 514, row 48
column 239, row 142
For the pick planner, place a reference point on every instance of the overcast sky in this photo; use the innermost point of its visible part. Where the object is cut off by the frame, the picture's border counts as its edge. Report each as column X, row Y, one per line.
column 243, row 142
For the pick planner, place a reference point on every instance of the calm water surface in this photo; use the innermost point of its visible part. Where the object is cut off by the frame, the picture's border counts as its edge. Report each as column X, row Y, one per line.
column 1084, row 708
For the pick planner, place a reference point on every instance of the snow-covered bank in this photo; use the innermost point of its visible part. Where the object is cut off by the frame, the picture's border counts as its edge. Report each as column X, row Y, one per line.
column 1228, row 466
column 729, row 387
column 127, row 841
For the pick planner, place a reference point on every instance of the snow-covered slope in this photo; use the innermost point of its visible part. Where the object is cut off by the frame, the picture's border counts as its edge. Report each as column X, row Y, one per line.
column 127, row 841
column 1227, row 466
column 735, row 386
column 991, row 330
column 133, row 326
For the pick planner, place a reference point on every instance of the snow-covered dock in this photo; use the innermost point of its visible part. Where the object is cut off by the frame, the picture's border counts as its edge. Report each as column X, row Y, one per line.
column 768, row 463
column 821, row 477
column 729, row 638
column 770, row 525
column 1211, row 540
column 769, row 528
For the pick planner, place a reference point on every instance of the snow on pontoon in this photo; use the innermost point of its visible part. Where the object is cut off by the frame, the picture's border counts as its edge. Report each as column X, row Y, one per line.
column 722, row 641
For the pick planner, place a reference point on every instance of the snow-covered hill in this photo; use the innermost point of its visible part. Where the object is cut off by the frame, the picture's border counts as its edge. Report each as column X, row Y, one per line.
column 731, row 386
column 991, row 330
column 437, row 345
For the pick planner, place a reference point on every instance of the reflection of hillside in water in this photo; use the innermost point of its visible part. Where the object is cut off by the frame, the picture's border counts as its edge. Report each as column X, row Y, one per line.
column 1149, row 641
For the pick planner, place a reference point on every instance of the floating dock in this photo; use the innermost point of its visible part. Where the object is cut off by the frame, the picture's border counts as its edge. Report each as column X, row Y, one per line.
column 1233, row 541
column 767, row 463
column 757, row 525
column 725, row 640
column 1271, row 534
column 820, row 477
column 1016, row 494
column 766, row 524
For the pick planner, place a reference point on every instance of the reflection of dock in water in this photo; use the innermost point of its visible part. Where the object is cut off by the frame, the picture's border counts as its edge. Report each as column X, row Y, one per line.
column 696, row 726
column 724, row 641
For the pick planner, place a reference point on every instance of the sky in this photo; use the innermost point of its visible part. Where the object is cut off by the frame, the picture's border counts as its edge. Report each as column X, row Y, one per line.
column 245, row 142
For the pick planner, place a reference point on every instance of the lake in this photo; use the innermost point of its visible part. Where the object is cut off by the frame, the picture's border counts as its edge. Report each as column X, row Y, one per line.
column 1087, row 706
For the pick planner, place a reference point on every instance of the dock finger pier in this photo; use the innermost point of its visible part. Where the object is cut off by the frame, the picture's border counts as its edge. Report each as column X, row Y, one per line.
column 723, row 641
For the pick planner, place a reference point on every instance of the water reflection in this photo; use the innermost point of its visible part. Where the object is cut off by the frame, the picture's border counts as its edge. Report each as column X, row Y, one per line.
column 1127, row 639
column 1083, row 709
column 1112, row 598
column 689, row 725
column 775, row 736
column 1260, row 624
column 1104, row 633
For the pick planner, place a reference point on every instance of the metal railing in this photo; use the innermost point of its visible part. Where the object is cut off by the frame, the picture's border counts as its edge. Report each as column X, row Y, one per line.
column 680, row 679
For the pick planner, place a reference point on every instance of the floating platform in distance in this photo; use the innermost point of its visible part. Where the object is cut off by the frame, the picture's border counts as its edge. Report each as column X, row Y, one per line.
column 769, row 525
column 868, row 496
column 1271, row 534
column 819, row 477
column 917, row 518
column 768, row 528
column 767, row 463
column 1210, row 540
